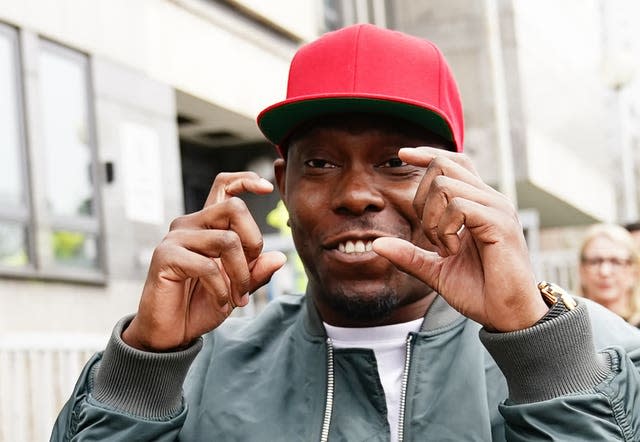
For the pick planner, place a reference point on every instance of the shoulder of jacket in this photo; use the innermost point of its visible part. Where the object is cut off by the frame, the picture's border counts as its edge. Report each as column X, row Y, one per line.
column 610, row 329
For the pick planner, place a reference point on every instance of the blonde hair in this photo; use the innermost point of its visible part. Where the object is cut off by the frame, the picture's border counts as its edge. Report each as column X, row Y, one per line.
column 623, row 238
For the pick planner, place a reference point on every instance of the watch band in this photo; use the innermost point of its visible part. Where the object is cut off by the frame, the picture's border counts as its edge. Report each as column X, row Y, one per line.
column 558, row 300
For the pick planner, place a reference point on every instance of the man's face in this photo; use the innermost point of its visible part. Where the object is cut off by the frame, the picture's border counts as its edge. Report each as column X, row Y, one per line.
column 344, row 186
column 607, row 273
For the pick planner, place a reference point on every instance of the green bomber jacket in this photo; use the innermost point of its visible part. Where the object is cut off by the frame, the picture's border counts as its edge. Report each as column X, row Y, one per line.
column 277, row 377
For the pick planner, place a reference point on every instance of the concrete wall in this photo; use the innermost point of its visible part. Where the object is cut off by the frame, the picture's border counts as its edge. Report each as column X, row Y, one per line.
column 458, row 28
column 564, row 100
column 546, row 81
column 301, row 17
column 140, row 53
column 192, row 45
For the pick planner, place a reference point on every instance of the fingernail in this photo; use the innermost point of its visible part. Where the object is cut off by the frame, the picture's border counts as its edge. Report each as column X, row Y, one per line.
column 245, row 299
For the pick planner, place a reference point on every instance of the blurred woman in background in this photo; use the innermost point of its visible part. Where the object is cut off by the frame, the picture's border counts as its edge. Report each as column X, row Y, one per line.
column 610, row 270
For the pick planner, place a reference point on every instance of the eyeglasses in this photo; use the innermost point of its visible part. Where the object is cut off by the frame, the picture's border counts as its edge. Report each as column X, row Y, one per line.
column 597, row 261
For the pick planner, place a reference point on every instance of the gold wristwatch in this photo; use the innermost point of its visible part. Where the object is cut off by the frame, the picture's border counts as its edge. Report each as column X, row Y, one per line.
column 558, row 300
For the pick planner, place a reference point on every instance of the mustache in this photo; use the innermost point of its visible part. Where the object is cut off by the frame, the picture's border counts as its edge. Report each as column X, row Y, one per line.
column 368, row 224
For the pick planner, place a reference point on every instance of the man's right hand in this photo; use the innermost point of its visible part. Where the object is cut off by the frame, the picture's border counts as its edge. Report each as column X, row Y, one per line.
column 207, row 264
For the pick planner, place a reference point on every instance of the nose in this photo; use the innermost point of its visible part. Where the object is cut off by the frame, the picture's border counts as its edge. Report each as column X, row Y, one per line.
column 606, row 268
column 357, row 193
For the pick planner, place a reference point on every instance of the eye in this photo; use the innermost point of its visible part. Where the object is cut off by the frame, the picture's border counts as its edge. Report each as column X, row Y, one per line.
column 317, row 163
column 393, row 162
column 597, row 262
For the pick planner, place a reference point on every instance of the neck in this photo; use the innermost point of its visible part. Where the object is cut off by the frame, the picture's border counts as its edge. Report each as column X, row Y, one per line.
column 402, row 313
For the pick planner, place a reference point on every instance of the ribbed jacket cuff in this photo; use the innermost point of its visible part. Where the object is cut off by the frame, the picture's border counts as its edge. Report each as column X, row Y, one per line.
column 550, row 359
column 144, row 384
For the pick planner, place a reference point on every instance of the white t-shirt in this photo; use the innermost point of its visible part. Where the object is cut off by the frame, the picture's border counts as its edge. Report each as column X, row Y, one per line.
column 388, row 345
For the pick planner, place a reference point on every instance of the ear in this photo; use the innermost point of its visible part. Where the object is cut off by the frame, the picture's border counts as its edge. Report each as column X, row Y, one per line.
column 280, row 172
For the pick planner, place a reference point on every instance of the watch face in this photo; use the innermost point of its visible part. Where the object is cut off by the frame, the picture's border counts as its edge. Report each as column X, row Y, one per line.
column 547, row 292
column 553, row 293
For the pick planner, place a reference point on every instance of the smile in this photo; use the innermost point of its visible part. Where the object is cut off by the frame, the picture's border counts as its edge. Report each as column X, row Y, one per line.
column 358, row 246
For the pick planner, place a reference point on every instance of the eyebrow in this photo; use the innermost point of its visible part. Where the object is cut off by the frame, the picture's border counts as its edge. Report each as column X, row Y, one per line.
column 627, row 257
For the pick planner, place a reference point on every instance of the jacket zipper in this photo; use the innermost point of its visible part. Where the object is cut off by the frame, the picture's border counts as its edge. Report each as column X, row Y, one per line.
column 403, row 391
column 328, row 408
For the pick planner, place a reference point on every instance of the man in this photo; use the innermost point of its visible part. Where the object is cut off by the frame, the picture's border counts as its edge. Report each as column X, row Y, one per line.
column 408, row 254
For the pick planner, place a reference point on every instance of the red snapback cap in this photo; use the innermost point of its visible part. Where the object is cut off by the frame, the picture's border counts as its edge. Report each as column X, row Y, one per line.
column 364, row 68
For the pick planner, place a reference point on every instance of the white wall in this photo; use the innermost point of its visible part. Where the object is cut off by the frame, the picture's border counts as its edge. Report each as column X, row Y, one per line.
column 301, row 17
column 191, row 45
column 570, row 150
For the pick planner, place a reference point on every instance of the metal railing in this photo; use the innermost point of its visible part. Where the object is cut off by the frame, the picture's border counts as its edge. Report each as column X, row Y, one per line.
column 37, row 375
column 560, row 267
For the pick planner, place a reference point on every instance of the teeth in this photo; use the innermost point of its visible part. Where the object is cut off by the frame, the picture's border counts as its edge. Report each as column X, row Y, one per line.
column 358, row 246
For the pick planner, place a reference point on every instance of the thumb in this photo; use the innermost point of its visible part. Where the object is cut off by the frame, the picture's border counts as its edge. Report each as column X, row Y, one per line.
column 263, row 268
column 409, row 258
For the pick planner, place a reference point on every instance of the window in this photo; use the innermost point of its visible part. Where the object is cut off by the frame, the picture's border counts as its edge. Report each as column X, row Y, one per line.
column 49, row 224
column 14, row 207
column 70, row 195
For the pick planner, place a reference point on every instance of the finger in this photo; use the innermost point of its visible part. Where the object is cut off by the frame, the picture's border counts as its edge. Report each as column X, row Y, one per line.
column 218, row 292
column 441, row 166
column 423, row 155
column 420, row 263
column 231, row 214
column 451, row 225
column 264, row 267
column 176, row 263
column 227, row 185
column 438, row 201
column 183, row 264
column 233, row 262
column 486, row 225
column 489, row 225
column 223, row 244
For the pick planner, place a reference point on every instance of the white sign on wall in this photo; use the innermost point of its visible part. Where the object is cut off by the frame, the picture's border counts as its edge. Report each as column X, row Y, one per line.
column 141, row 173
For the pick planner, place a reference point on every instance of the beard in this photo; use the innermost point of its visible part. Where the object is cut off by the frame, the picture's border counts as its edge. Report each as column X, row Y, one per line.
column 363, row 308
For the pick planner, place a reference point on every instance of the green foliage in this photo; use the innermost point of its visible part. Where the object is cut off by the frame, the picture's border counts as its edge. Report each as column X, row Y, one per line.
column 67, row 245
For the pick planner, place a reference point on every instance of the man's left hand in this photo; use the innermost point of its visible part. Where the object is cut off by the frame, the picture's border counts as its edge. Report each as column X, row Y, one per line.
column 482, row 267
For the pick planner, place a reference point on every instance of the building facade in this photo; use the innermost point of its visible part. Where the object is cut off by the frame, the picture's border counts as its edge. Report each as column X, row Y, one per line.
column 114, row 118
column 116, row 115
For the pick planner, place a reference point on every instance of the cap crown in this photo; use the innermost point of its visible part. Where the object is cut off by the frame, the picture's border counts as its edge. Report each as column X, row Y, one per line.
column 391, row 72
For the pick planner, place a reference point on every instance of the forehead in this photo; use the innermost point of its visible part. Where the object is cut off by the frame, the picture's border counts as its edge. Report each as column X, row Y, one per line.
column 605, row 246
column 365, row 124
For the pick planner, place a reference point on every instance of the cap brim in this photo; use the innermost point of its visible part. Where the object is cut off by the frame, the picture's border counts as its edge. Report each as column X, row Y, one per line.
column 278, row 121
